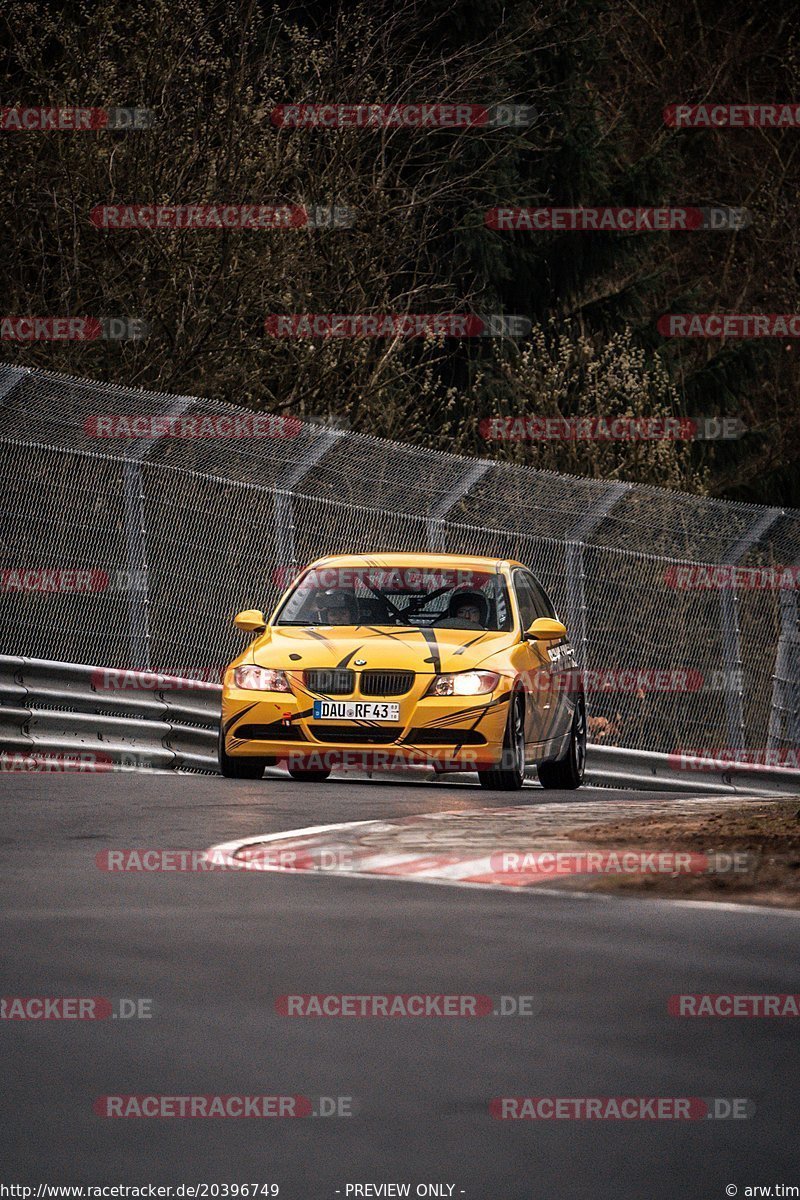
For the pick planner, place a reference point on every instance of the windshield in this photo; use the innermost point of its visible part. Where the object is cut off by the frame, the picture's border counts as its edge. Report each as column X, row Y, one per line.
column 411, row 596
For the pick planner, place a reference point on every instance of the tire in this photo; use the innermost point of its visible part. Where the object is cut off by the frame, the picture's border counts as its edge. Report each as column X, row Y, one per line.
column 567, row 773
column 312, row 775
column 240, row 768
column 510, row 775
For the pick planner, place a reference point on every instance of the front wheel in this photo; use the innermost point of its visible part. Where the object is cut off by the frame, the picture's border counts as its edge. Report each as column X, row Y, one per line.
column 510, row 775
column 567, row 773
column 239, row 768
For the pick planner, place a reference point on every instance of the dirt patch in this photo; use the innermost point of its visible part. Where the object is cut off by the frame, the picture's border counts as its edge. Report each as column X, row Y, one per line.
column 768, row 834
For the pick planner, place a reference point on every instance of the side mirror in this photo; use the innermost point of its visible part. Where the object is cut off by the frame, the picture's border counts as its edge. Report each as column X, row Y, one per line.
column 252, row 620
column 544, row 629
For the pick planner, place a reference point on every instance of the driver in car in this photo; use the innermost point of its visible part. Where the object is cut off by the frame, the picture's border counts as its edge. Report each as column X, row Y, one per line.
column 470, row 606
column 336, row 607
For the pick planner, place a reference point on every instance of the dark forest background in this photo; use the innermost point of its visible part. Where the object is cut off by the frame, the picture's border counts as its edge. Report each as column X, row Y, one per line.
column 598, row 77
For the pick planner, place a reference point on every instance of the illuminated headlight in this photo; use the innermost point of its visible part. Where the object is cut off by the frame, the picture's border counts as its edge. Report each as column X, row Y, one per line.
column 465, row 683
column 260, row 679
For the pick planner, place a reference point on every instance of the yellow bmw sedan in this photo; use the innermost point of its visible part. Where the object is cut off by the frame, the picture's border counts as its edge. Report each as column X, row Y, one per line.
column 375, row 660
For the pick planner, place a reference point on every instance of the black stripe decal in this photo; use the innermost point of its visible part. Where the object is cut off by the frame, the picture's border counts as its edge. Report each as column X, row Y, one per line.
column 234, row 719
column 435, row 658
column 505, row 699
column 395, row 637
column 466, row 713
column 313, row 633
column 467, row 645
column 341, row 665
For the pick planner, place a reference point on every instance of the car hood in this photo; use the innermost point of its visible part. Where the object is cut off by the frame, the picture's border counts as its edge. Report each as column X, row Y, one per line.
column 425, row 651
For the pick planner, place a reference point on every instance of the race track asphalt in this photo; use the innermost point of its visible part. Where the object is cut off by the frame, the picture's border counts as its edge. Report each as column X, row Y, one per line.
column 213, row 951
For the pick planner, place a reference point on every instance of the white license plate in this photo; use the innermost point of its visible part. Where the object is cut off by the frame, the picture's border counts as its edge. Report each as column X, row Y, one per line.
column 355, row 710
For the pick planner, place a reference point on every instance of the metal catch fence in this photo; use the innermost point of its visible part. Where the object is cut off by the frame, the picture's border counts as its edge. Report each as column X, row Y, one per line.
column 136, row 552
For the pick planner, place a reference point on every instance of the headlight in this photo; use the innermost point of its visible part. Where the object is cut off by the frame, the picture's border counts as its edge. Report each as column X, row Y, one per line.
column 260, row 679
column 465, row 683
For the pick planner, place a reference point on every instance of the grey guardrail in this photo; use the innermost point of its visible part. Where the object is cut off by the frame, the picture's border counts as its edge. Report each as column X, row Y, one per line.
column 97, row 717
column 668, row 772
column 101, row 717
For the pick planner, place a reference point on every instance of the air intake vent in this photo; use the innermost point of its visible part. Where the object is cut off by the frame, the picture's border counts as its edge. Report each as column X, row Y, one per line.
column 330, row 683
column 445, row 737
column 386, row 683
column 368, row 736
column 275, row 732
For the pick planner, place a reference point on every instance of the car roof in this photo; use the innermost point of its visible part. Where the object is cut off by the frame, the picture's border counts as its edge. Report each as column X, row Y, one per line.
column 434, row 561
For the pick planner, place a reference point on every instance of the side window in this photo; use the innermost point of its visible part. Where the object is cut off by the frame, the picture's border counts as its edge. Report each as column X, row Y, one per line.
column 543, row 606
column 499, row 606
column 525, row 599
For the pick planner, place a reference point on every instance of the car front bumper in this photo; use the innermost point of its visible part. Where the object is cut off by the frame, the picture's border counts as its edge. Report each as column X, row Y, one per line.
column 460, row 732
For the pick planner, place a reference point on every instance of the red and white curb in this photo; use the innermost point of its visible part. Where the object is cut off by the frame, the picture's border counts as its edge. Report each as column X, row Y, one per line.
column 318, row 849
column 425, row 848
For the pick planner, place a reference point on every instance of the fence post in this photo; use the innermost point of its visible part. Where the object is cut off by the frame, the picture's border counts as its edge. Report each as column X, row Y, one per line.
column 285, row 548
column 574, row 564
column 786, row 679
column 731, row 633
column 438, row 512
column 10, row 378
column 138, row 580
